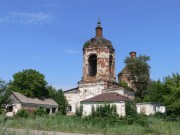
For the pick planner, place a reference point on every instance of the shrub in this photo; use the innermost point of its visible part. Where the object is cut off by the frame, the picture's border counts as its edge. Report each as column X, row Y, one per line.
column 130, row 108
column 141, row 120
column 22, row 113
column 132, row 116
column 104, row 111
column 40, row 112
column 79, row 111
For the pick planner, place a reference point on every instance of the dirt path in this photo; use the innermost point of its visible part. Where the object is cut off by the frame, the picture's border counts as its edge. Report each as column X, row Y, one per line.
column 37, row 132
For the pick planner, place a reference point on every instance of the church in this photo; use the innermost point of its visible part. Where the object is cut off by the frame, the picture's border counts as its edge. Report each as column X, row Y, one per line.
column 98, row 84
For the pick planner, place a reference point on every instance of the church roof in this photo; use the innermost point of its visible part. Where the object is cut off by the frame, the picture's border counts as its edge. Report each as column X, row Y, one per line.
column 71, row 91
column 107, row 97
column 124, row 71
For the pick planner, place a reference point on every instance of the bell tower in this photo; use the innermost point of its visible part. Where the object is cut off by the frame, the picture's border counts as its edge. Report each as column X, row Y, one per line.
column 98, row 59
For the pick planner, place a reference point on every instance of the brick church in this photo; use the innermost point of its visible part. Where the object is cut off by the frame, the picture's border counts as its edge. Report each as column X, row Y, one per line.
column 98, row 83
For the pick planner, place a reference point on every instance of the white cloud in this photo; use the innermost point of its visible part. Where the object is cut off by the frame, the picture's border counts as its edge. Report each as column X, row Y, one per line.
column 26, row 18
column 70, row 51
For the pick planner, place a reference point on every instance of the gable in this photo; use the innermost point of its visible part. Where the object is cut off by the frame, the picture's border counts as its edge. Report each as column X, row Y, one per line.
column 13, row 98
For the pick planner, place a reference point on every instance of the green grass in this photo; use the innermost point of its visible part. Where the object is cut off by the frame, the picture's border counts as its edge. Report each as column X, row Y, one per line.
column 89, row 126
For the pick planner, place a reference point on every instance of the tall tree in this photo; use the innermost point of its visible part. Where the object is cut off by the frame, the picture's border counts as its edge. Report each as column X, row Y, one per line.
column 139, row 74
column 30, row 83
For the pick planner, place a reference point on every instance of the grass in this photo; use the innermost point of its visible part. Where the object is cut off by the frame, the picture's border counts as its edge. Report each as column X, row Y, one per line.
column 89, row 126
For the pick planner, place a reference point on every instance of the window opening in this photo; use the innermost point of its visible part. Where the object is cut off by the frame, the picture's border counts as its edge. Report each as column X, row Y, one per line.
column 110, row 64
column 92, row 65
column 47, row 110
column 53, row 110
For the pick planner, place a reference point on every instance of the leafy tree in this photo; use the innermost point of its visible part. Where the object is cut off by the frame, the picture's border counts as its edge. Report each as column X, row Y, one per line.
column 124, row 85
column 4, row 94
column 167, row 93
column 172, row 94
column 155, row 92
column 30, row 83
column 139, row 74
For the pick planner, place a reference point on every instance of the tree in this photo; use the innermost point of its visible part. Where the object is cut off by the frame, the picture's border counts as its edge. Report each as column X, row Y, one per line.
column 155, row 92
column 4, row 94
column 30, row 83
column 167, row 93
column 139, row 74
column 124, row 85
column 172, row 94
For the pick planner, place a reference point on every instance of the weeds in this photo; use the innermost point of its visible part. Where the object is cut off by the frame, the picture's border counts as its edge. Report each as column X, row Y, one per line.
column 88, row 125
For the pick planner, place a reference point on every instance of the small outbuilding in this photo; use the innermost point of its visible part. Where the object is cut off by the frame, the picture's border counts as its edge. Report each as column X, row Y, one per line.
column 112, row 98
column 19, row 101
column 150, row 108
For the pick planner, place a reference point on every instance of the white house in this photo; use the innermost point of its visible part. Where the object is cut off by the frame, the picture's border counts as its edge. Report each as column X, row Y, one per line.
column 19, row 101
column 112, row 98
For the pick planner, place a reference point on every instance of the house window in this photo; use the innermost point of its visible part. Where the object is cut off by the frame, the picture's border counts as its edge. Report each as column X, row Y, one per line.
column 53, row 110
column 10, row 108
column 70, row 108
column 47, row 110
column 92, row 65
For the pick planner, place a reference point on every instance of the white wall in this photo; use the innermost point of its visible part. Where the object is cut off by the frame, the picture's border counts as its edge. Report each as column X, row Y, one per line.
column 149, row 108
column 88, row 106
column 86, row 91
column 16, row 108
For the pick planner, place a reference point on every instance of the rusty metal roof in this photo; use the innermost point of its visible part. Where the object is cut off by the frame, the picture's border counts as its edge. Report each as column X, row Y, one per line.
column 24, row 99
column 107, row 97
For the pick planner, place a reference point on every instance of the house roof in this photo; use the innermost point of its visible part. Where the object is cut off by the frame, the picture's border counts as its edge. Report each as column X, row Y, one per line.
column 24, row 99
column 107, row 97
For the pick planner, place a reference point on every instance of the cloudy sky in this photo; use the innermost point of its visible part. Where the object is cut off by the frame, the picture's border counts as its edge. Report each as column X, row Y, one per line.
column 48, row 35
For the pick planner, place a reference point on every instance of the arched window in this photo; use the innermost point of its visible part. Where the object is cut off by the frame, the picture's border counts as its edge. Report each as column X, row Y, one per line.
column 92, row 65
column 110, row 64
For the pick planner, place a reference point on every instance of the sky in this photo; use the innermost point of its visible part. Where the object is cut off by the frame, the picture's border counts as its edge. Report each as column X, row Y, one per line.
column 48, row 35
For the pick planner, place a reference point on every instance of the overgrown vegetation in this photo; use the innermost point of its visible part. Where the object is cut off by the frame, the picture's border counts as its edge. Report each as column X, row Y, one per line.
column 91, row 126
column 40, row 112
column 124, row 85
column 132, row 117
column 22, row 113
column 79, row 111
column 104, row 111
